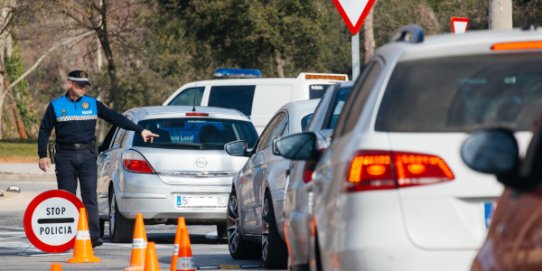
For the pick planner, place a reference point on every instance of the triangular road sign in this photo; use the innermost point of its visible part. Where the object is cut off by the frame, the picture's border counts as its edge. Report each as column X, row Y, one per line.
column 459, row 24
column 354, row 12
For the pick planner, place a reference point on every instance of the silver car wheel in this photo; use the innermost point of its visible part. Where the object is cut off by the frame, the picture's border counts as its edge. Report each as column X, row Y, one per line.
column 265, row 228
column 233, row 223
column 238, row 247
column 112, row 214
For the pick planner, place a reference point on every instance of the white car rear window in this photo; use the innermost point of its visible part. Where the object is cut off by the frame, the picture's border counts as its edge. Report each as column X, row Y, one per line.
column 458, row 94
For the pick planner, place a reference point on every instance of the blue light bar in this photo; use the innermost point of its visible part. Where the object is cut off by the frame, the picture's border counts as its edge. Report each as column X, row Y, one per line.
column 236, row 73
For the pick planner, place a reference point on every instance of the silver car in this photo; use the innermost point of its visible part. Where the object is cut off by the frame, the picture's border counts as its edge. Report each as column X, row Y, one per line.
column 296, row 206
column 184, row 172
column 255, row 219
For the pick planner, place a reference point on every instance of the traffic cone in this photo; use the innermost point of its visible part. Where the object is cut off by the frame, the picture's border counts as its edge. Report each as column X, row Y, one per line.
column 56, row 267
column 151, row 259
column 184, row 259
column 181, row 224
column 139, row 245
column 82, row 251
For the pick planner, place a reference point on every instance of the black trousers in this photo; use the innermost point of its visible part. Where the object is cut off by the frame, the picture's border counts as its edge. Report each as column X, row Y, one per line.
column 80, row 164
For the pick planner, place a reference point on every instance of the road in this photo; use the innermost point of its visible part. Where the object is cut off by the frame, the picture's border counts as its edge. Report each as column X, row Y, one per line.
column 16, row 252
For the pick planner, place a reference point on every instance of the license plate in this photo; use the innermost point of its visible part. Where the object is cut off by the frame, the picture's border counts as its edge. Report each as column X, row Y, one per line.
column 489, row 210
column 200, row 201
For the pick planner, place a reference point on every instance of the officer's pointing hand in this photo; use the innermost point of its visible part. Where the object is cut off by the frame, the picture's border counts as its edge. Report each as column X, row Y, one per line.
column 148, row 135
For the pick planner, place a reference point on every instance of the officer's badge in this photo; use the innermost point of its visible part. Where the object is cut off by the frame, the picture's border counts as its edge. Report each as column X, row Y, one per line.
column 64, row 112
column 85, row 105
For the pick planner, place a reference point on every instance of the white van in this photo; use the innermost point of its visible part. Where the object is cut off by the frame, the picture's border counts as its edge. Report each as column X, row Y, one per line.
column 258, row 98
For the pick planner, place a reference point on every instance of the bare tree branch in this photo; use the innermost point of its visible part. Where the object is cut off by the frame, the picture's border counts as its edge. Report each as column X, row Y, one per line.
column 75, row 39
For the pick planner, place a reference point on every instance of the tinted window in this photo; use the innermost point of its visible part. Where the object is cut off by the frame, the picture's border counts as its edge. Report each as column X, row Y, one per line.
column 305, row 121
column 360, row 92
column 317, row 91
column 272, row 130
column 458, row 94
column 236, row 97
column 188, row 96
column 119, row 137
column 336, row 106
column 196, row 133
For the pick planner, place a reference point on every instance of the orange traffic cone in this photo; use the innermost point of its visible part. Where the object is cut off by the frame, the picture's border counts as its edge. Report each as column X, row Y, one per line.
column 82, row 251
column 56, row 267
column 181, row 224
column 139, row 245
column 151, row 259
column 184, row 259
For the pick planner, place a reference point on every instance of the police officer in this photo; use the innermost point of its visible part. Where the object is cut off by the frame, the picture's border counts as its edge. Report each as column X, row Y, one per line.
column 74, row 116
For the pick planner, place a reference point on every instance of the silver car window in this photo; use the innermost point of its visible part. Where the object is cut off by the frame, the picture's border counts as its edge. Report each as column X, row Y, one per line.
column 119, row 137
column 360, row 92
column 273, row 129
column 337, row 105
column 196, row 133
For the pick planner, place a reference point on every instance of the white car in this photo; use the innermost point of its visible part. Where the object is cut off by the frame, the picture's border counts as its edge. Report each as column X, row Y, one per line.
column 255, row 207
column 391, row 191
column 258, row 98
column 184, row 172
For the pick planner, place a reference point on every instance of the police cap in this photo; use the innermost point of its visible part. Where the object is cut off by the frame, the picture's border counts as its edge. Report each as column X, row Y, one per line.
column 79, row 77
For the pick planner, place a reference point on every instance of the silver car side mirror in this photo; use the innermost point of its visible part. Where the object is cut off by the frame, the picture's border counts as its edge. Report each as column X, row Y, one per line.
column 300, row 146
column 236, row 148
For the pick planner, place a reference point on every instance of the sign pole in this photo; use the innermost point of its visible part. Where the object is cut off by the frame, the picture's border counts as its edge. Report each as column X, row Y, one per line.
column 354, row 13
column 355, row 56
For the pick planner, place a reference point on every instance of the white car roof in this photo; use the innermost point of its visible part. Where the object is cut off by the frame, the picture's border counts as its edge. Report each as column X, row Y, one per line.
column 469, row 43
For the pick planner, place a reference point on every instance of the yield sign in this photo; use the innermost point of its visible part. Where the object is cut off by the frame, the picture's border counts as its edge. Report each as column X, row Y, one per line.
column 459, row 24
column 354, row 12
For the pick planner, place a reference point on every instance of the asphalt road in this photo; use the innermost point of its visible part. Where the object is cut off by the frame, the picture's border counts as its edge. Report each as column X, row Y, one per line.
column 16, row 252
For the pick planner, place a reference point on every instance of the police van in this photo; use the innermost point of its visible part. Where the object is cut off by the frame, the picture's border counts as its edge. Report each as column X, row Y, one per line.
column 245, row 90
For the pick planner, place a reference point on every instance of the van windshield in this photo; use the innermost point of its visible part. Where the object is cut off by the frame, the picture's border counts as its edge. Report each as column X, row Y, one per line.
column 196, row 133
column 458, row 94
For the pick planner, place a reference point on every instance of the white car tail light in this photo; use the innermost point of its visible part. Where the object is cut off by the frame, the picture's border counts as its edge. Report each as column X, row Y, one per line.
column 381, row 170
column 135, row 162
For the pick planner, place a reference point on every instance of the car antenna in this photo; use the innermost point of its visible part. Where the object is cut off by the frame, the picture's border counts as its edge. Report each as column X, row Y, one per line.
column 194, row 102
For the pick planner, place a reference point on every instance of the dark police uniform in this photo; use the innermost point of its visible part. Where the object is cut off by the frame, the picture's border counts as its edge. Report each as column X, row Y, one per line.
column 75, row 124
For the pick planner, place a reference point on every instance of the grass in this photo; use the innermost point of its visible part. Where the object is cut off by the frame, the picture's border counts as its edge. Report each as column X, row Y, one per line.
column 20, row 149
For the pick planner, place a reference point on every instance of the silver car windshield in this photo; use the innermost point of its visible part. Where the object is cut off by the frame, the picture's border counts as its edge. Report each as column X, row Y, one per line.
column 196, row 133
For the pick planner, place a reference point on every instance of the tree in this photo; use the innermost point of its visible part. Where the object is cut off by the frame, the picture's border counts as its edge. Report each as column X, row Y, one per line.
column 6, row 48
column 280, row 37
